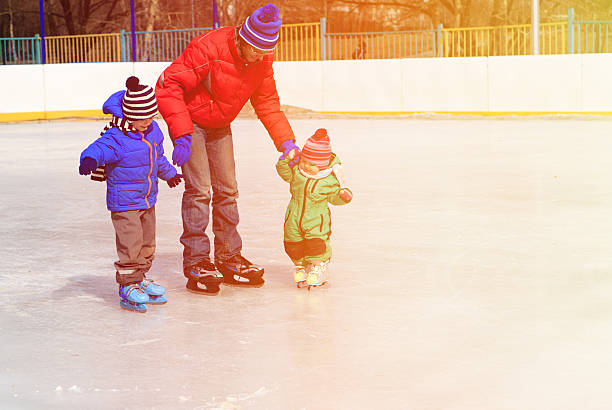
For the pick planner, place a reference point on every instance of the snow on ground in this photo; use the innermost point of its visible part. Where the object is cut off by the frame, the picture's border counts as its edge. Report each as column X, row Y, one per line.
column 471, row 271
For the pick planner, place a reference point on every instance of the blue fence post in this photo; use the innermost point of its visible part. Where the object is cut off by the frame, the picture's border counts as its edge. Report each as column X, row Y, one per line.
column 440, row 51
column 41, row 9
column 37, row 43
column 323, row 35
column 570, row 31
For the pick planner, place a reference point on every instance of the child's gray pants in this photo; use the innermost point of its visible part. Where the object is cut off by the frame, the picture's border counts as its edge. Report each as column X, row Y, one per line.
column 135, row 238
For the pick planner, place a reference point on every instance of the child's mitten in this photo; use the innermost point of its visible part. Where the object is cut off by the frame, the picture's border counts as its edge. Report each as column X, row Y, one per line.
column 175, row 180
column 287, row 148
column 87, row 166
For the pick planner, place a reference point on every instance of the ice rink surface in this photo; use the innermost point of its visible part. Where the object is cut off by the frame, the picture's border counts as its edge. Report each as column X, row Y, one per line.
column 473, row 270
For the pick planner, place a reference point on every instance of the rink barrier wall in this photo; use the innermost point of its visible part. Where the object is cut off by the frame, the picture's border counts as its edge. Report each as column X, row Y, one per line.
column 517, row 85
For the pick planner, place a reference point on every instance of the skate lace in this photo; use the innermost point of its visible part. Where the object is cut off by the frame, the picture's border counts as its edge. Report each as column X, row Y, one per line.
column 126, row 290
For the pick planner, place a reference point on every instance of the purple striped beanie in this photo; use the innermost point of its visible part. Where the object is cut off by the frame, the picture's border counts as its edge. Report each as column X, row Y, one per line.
column 261, row 28
column 139, row 102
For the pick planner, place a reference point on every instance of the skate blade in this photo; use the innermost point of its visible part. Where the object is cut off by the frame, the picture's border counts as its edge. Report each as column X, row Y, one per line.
column 245, row 284
column 301, row 284
column 133, row 308
column 323, row 284
column 157, row 300
column 204, row 292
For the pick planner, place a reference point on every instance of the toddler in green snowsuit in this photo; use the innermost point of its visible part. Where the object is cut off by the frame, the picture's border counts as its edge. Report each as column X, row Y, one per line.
column 316, row 181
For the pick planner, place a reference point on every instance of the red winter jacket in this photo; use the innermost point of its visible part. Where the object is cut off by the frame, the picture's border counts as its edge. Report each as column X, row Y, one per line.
column 209, row 83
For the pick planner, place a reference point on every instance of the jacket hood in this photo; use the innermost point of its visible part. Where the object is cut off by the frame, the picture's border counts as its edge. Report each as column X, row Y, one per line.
column 113, row 104
column 333, row 160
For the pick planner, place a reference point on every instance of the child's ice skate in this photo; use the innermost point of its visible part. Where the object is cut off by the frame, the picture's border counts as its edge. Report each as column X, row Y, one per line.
column 299, row 276
column 156, row 292
column 133, row 297
column 317, row 275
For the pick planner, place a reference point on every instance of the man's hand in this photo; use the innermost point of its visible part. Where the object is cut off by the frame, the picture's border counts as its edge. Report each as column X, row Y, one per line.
column 291, row 151
column 182, row 150
column 87, row 166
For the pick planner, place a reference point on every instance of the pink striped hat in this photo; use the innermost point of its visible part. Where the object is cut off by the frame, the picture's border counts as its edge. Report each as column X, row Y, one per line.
column 318, row 149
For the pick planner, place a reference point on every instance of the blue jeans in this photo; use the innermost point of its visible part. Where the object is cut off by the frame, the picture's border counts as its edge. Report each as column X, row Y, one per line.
column 211, row 165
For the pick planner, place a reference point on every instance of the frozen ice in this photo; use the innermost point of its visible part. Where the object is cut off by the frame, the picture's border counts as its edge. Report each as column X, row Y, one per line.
column 471, row 271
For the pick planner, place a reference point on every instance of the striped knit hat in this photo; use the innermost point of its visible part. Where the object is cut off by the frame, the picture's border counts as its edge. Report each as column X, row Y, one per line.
column 261, row 28
column 318, row 149
column 139, row 101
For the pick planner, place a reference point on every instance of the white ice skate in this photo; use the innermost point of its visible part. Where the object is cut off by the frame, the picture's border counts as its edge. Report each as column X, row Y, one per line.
column 299, row 276
column 317, row 275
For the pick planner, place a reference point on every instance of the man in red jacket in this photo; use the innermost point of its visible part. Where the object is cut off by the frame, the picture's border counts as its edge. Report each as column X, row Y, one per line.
column 199, row 95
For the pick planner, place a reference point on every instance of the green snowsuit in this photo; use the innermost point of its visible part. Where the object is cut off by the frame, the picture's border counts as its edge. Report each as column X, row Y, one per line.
column 308, row 218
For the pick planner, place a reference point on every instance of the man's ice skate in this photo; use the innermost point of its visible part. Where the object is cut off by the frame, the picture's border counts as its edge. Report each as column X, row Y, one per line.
column 317, row 275
column 203, row 274
column 238, row 271
column 299, row 276
column 133, row 297
column 156, row 292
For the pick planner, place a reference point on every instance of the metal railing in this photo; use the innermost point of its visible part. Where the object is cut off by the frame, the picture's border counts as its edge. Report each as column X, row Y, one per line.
column 20, row 50
column 159, row 45
column 299, row 42
column 398, row 44
column 502, row 40
column 588, row 36
column 87, row 48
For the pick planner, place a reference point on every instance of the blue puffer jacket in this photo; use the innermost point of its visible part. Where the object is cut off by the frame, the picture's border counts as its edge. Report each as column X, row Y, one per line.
column 133, row 162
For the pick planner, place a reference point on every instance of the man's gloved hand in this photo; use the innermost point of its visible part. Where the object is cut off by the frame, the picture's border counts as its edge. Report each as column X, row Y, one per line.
column 175, row 180
column 290, row 150
column 182, row 150
column 87, row 166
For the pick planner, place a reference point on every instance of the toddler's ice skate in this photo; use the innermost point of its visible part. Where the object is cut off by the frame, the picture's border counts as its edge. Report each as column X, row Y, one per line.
column 317, row 275
column 133, row 298
column 156, row 292
column 299, row 276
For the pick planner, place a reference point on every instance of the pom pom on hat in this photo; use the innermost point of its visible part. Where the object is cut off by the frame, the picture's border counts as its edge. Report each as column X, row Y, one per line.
column 133, row 84
column 139, row 102
column 261, row 28
column 317, row 149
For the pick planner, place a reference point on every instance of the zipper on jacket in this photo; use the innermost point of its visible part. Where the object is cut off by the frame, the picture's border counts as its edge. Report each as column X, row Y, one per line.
column 314, row 185
column 150, row 168
column 304, row 204
column 321, row 226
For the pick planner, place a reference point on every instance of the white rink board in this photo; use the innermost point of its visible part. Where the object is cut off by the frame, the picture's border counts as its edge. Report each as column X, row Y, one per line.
column 564, row 83
column 83, row 86
column 540, row 83
column 149, row 73
column 362, row 86
column 445, row 84
column 597, row 82
column 300, row 84
column 22, row 88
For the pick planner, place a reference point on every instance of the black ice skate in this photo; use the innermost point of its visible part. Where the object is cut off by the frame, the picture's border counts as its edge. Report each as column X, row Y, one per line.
column 203, row 273
column 238, row 271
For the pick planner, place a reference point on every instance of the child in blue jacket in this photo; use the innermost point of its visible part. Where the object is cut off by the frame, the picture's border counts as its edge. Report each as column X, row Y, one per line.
column 131, row 149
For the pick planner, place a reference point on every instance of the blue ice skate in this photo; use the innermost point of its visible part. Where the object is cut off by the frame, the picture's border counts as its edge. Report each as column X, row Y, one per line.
column 155, row 292
column 133, row 298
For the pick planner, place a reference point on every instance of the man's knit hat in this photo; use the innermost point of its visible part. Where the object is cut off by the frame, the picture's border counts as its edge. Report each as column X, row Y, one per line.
column 139, row 102
column 261, row 28
column 318, row 149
